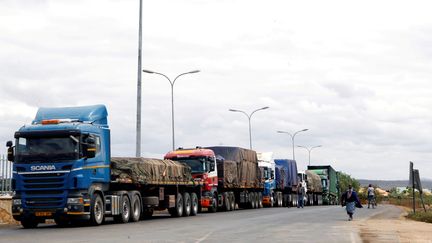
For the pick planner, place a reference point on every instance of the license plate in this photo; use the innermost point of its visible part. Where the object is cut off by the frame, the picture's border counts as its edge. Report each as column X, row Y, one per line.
column 43, row 214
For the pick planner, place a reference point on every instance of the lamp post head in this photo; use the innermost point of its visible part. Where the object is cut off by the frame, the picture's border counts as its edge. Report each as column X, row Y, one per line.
column 194, row 71
column 281, row 132
column 233, row 110
column 266, row 107
column 304, row 130
column 147, row 71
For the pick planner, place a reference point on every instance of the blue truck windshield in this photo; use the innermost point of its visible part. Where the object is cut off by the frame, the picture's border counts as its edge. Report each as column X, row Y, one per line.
column 197, row 165
column 39, row 149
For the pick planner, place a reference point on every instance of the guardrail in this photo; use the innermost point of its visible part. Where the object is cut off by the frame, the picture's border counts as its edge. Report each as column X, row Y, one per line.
column 5, row 175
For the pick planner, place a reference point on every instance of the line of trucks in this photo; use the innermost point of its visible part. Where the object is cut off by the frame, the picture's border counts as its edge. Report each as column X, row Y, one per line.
column 63, row 170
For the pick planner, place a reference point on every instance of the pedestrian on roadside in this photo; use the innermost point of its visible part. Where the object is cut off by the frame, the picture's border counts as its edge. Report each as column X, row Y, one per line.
column 371, row 196
column 301, row 192
column 351, row 201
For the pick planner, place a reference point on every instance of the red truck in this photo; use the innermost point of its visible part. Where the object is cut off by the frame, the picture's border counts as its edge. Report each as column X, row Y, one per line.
column 230, row 176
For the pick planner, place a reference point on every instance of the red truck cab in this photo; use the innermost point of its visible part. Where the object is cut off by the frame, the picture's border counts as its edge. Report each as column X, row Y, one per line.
column 203, row 165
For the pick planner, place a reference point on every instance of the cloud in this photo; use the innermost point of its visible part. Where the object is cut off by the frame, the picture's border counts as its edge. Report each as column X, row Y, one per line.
column 361, row 85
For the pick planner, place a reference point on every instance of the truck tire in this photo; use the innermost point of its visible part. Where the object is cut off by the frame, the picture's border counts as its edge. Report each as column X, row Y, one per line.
column 252, row 200
column 97, row 210
column 213, row 207
column 29, row 223
column 272, row 200
column 232, row 201
column 125, row 210
column 177, row 211
column 260, row 200
column 195, row 204
column 280, row 202
column 226, row 200
column 256, row 200
column 136, row 208
column 186, row 204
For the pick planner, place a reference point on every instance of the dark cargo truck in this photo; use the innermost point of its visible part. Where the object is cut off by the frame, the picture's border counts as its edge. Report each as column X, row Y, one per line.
column 239, row 173
column 286, row 182
column 312, row 183
column 230, row 176
column 329, row 181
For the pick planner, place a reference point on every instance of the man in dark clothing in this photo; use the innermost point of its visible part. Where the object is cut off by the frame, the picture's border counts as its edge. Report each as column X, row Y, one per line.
column 301, row 192
column 351, row 201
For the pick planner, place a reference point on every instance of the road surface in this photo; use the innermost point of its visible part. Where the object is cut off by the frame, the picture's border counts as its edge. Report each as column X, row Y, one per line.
column 310, row 224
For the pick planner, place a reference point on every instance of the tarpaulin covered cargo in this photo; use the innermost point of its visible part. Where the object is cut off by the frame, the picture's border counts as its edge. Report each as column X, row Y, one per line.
column 227, row 173
column 286, row 173
column 246, row 171
column 327, row 172
column 313, row 181
column 149, row 171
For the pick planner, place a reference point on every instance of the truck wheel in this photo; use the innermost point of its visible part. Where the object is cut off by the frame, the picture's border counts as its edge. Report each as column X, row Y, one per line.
column 97, row 211
column 125, row 210
column 136, row 208
column 260, row 199
column 178, row 210
column 29, row 223
column 232, row 201
column 195, row 204
column 252, row 200
column 227, row 203
column 257, row 200
column 186, row 204
column 213, row 207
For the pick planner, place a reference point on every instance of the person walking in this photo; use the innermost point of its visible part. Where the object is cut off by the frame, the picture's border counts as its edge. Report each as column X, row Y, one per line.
column 300, row 195
column 371, row 196
column 350, row 200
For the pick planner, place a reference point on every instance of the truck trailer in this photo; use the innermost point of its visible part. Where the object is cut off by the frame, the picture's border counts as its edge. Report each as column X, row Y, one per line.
column 235, row 180
column 63, row 170
column 312, row 183
column 329, row 182
column 287, row 181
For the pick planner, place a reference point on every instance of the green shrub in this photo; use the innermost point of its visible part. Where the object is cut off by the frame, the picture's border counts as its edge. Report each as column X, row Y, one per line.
column 421, row 216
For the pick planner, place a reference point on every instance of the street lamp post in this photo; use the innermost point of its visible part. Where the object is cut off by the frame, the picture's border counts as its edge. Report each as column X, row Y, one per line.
column 172, row 96
column 249, row 119
column 138, row 121
column 292, row 137
column 309, row 149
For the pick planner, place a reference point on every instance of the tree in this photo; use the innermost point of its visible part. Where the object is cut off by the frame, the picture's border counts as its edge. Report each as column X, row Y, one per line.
column 345, row 180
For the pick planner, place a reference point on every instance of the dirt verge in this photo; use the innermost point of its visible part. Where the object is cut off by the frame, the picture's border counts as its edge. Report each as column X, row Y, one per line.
column 380, row 228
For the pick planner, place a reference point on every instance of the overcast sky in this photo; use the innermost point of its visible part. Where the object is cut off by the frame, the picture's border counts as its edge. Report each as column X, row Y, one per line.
column 357, row 75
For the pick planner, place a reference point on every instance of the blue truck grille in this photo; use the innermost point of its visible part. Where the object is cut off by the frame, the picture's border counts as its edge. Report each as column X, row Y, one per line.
column 44, row 190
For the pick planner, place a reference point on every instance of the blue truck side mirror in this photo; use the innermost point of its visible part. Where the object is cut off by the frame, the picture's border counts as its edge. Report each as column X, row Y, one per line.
column 10, row 151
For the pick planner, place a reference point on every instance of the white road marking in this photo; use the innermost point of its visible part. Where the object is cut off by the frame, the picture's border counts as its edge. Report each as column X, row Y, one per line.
column 204, row 237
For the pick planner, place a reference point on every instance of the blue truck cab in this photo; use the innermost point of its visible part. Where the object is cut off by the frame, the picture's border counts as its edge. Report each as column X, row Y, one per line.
column 267, row 167
column 59, row 161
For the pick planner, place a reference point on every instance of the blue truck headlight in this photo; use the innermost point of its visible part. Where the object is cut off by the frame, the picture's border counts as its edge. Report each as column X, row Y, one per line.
column 16, row 202
column 76, row 200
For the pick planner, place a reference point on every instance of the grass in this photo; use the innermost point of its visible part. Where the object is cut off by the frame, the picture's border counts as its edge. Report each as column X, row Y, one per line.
column 421, row 216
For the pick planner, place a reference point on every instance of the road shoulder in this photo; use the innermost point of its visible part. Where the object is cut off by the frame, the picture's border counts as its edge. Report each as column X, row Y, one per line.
column 393, row 227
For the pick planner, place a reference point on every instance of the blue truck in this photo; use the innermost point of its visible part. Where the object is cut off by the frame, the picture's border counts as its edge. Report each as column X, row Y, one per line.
column 287, row 181
column 280, row 180
column 63, row 170
column 271, row 197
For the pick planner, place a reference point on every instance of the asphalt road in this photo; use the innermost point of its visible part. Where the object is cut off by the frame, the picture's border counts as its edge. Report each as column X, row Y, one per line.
column 310, row 224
